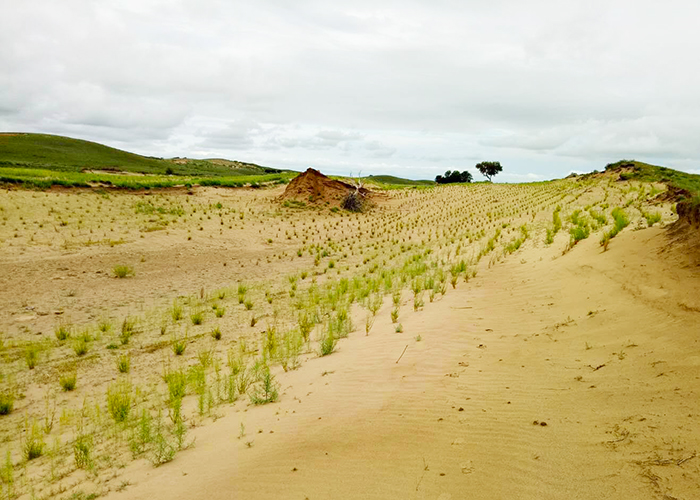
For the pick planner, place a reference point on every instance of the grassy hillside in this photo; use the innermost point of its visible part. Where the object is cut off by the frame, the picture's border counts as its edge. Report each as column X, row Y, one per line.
column 632, row 169
column 52, row 152
column 397, row 181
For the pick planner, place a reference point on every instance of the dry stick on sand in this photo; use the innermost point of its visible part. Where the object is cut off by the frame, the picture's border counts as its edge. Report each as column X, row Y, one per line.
column 404, row 350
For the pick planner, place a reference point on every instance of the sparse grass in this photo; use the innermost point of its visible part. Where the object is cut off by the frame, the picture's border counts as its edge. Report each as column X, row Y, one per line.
column 68, row 381
column 122, row 271
column 216, row 333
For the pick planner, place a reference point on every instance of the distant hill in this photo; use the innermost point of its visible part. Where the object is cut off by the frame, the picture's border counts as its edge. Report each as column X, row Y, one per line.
column 390, row 179
column 54, row 152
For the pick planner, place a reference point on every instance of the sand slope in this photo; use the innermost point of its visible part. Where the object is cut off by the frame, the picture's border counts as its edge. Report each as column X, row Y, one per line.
column 603, row 347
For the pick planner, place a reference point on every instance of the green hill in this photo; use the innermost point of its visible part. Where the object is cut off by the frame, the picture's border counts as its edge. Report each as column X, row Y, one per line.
column 397, row 181
column 687, row 186
column 53, row 152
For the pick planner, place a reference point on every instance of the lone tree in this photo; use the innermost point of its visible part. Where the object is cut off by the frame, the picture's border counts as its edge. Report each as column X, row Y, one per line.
column 455, row 176
column 489, row 168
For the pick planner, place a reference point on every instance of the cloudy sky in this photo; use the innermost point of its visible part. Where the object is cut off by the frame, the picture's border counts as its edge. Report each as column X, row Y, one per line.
column 409, row 88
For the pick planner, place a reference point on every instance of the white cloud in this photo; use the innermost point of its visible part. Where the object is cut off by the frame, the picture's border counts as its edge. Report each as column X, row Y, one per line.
column 409, row 87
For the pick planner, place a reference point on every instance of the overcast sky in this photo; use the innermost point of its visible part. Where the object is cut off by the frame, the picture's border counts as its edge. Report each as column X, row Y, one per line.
column 409, row 88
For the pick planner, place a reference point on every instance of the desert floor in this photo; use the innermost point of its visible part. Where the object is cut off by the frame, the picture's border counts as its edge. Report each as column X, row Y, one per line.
column 506, row 366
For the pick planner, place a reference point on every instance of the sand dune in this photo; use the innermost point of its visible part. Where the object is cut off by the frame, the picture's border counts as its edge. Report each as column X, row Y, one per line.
column 602, row 347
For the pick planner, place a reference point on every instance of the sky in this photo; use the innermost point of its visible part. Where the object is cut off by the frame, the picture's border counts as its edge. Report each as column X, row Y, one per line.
column 409, row 88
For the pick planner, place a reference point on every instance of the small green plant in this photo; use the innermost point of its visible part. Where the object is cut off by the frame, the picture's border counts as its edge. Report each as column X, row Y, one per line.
column 68, row 381
column 123, row 363
column 216, row 333
column 395, row 315
column 81, row 346
column 128, row 330
column 220, row 311
column 63, row 331
column 7, row 401
column 31, row 355
column 122, row 271
column 177, row 384
column 197, row 317
column 82, row 451
column 33, row 445
column 104, row 325
column 328, row 342
column 179, row 346
column 141, row 434
column 119, row 400
column 176, row 311
column 399, row 328
column 266, row 390
column 248, row 305
column 652, row 218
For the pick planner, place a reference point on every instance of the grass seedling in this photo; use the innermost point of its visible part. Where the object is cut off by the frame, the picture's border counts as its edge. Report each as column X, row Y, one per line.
column 216, row 333
column 197, row 317
column 123, row 363
column 179, row 345
column 119, row 400
column 82, row 451
column 81, row 346
column 68, row 381
column 266, row 390
column 128, row 329
column 7, row 401
column 33, row 445
column 31, row 355
column 122, row 271
column 176, row 311
column 62, row 331
column 328, row 342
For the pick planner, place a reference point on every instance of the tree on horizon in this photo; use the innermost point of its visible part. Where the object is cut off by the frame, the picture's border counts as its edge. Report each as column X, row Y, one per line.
column 489, row 168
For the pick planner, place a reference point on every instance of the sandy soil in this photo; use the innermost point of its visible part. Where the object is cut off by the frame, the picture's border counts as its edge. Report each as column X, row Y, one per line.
column 600, row 347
